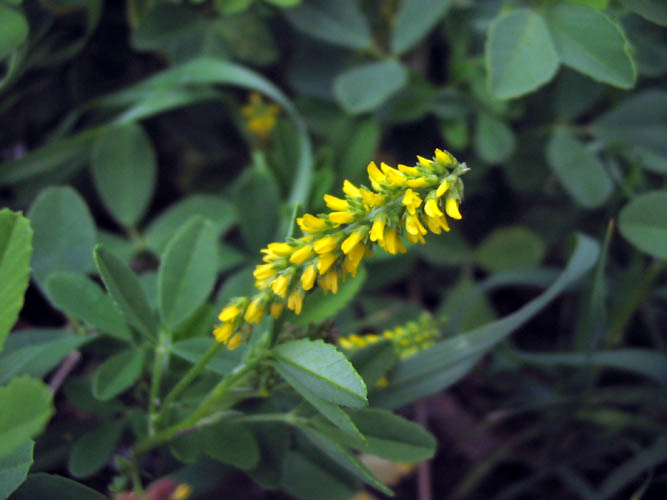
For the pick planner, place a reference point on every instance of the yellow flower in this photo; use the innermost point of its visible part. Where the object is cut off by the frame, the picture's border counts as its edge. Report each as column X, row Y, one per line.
column 255, row 311
column 325, row 262
column 411, row 200
column 335, row 203
column 351, row 190
column 302, row 254
column 229, row 313
column 444, row 157
column 377, row 230
column 234, row 342
column 260, row 118
column 311, row 224
column 223, row 332
column 432, row 209
column 442, row 188
column 277, row 309
column 352, row 240
column 341, row 217
column 353, row 259
column 452, row 208
column 295, row 301
column 181, row 492
column 414, row 226
column 279, row 285
column 325, row 245
column 280, row 249
column 392, row 175
column 264, row 271
column 308, row 276
column 329, row 282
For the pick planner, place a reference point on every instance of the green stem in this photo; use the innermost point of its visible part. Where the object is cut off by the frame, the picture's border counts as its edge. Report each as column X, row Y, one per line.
column 204, row 410
column 160, row 364
column 192, row 373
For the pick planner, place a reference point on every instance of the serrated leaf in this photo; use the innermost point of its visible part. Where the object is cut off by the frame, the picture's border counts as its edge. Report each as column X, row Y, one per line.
column 520, row 55
column 188, row 270
column 14, row 468
column 219, row 211
column 590, row 42
column 319, row 306
column 579, row 170
column 124, row 170
column 118, row 373
column 15, row 252
column 26, row 408
column 79, row 297
column 64, row 233
column 92, row 451
column 330, row 411
column 126, row 291
column 643, row 222
column 365, row 87
column 323, row 370
column 37, row 352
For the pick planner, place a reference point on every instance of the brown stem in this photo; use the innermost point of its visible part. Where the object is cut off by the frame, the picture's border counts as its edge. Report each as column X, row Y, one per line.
column 64, row 370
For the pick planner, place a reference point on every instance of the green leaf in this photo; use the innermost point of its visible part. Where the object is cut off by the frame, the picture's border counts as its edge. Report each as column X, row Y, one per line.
column 494, row 140
column 344, row 458
column 92, row 451
column 445, row 363
column 651, row 10
column 188, row 270
column 81, row 298
column 64, row 233
column 365, row 87
column 590, row 42
column 222, row 363
column 340, row 23
column 639, row 122
column 14, row 30
column 118, row 373
column 323, row 370
column 220, row 212
column 124, row 170
column 415, row 18
column 360, row 148
column 126, row 291
column 15, row 252
column 466, row 306
column 258, row 202
column 651, row 364
column 43, row 486
column 388, row 436
column 519, row 54
column 14, row 468
column 316, row 478
column 330, row 411
column 643, row 222
column 579, row 170
column 510, row 248
column 232, row 444
column 37, row 352
column 26, row 408
column 319, row 306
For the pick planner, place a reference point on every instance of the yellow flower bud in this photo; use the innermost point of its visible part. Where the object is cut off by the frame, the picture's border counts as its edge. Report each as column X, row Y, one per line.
column 229, row 313
column 326, row 244
column 302, row 254
column 452, row 208
column 223, row 332
column 325, row 262
column 279, row 285
column 311, row 224
column 295, row 301
column 308, row 276
column 335, row 203
column 432, row 209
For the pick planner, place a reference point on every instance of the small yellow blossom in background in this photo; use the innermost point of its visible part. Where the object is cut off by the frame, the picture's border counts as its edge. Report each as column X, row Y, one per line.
column 408, row 339
column 181, row 492
column 408, row 200
column 260, row 117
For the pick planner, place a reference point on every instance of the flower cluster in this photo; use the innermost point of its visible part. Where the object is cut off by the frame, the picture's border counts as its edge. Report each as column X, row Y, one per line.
column 260, row 117
column 408, row 339
column 410, row 200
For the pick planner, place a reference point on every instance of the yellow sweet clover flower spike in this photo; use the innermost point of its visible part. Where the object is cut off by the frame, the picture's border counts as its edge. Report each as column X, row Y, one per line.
column 407, row 339
column 403, row 201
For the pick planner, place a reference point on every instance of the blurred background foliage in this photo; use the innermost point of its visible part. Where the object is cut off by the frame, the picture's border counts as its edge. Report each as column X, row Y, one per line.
column 123, row 119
